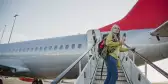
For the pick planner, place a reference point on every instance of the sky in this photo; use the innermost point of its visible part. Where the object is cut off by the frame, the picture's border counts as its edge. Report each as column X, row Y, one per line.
column 39, row 19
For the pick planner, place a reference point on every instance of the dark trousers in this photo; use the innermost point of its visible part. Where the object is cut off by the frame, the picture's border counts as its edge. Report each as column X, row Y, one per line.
column 112, row 72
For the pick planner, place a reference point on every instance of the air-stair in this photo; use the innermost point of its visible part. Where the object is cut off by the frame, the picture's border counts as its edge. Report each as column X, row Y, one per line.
column 101, row 75
column 95, row 70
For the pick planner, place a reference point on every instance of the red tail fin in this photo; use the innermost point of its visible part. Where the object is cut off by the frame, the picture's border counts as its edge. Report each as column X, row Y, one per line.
column 144, row 15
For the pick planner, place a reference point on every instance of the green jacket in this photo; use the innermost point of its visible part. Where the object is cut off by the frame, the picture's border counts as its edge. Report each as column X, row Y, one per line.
column 116, row 46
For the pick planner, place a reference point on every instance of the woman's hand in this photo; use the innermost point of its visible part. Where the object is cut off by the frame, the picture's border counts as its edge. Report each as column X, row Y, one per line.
column 122, row 42
column 132, row 49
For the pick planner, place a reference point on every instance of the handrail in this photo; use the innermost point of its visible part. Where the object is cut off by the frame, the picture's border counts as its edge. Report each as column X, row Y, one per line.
column 127, row 78
column 60, row 76
column 150, row 63
column 102, row 69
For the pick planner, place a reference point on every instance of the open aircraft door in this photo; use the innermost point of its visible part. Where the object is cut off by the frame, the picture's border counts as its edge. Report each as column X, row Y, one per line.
column 93, row 36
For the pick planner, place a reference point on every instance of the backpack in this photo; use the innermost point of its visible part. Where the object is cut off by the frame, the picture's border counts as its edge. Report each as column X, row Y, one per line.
column 104, row 52
column 101, row 46
column 102, row 49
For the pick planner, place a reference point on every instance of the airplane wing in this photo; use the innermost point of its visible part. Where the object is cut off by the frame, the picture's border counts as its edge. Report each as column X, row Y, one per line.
column 14, row 65
column 161, row 31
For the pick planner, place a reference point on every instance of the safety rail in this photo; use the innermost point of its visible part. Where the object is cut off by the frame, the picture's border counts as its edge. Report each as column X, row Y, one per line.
column 125, row 73
column 88, row 73
column 60, row 76
column 132, row 72
column 102, row 69
column 165, row 74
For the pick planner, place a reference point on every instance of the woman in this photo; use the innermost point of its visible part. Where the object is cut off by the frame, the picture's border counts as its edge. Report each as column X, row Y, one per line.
column 114, row 47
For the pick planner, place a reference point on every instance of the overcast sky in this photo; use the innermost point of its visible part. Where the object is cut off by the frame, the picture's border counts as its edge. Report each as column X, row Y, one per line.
column 40, row 19
column 51, row 18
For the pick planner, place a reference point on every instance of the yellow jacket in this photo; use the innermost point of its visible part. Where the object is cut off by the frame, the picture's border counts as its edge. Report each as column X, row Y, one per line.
column 116, row 46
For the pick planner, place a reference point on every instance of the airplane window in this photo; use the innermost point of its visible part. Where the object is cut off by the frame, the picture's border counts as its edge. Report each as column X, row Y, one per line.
column 104, row 35
column 50, row 47
column 67, row 46
column 36, row 48
column 16, row 50
column 79, row 45
column 61, row 47
column 31, row 49
column 24, row 50
column 20, row 50
column 27, row 49
column 55, row 47
column 45, row 48
column 41, row 48
column 73, row 46
column 13, row 50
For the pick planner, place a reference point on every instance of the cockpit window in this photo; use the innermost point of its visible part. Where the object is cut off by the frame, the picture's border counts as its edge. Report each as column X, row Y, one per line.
column 79, row 45
column 67, row 46
column 73, row 46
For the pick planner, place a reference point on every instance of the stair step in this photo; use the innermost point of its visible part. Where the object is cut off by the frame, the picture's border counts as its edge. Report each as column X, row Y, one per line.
column 102, row 82
column 106, row 70
column 104, row 67
column 104, row 74
column 104, row 77
column 100, row 79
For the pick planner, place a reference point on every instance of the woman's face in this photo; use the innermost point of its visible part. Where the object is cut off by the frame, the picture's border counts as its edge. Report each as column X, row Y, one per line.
column 116, row 30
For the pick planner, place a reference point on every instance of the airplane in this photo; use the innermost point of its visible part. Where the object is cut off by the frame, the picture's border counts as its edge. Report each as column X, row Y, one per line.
column 146, row 27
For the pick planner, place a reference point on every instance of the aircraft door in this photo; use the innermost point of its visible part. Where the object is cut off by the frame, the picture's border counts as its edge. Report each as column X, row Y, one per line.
column 93, row 36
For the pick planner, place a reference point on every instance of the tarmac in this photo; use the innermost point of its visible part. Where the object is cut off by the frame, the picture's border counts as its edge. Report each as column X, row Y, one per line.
column 18, row 81
column 12, row 80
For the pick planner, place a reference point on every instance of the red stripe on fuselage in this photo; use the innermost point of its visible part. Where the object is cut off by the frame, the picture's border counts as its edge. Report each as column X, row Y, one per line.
column 146, row 14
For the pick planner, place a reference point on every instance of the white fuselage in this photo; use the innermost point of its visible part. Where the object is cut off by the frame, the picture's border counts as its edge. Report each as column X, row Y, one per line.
column 49, row 57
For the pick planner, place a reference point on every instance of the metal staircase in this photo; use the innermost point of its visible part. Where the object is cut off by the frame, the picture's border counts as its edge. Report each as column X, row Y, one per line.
column 101, row 75
column 95, row 71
